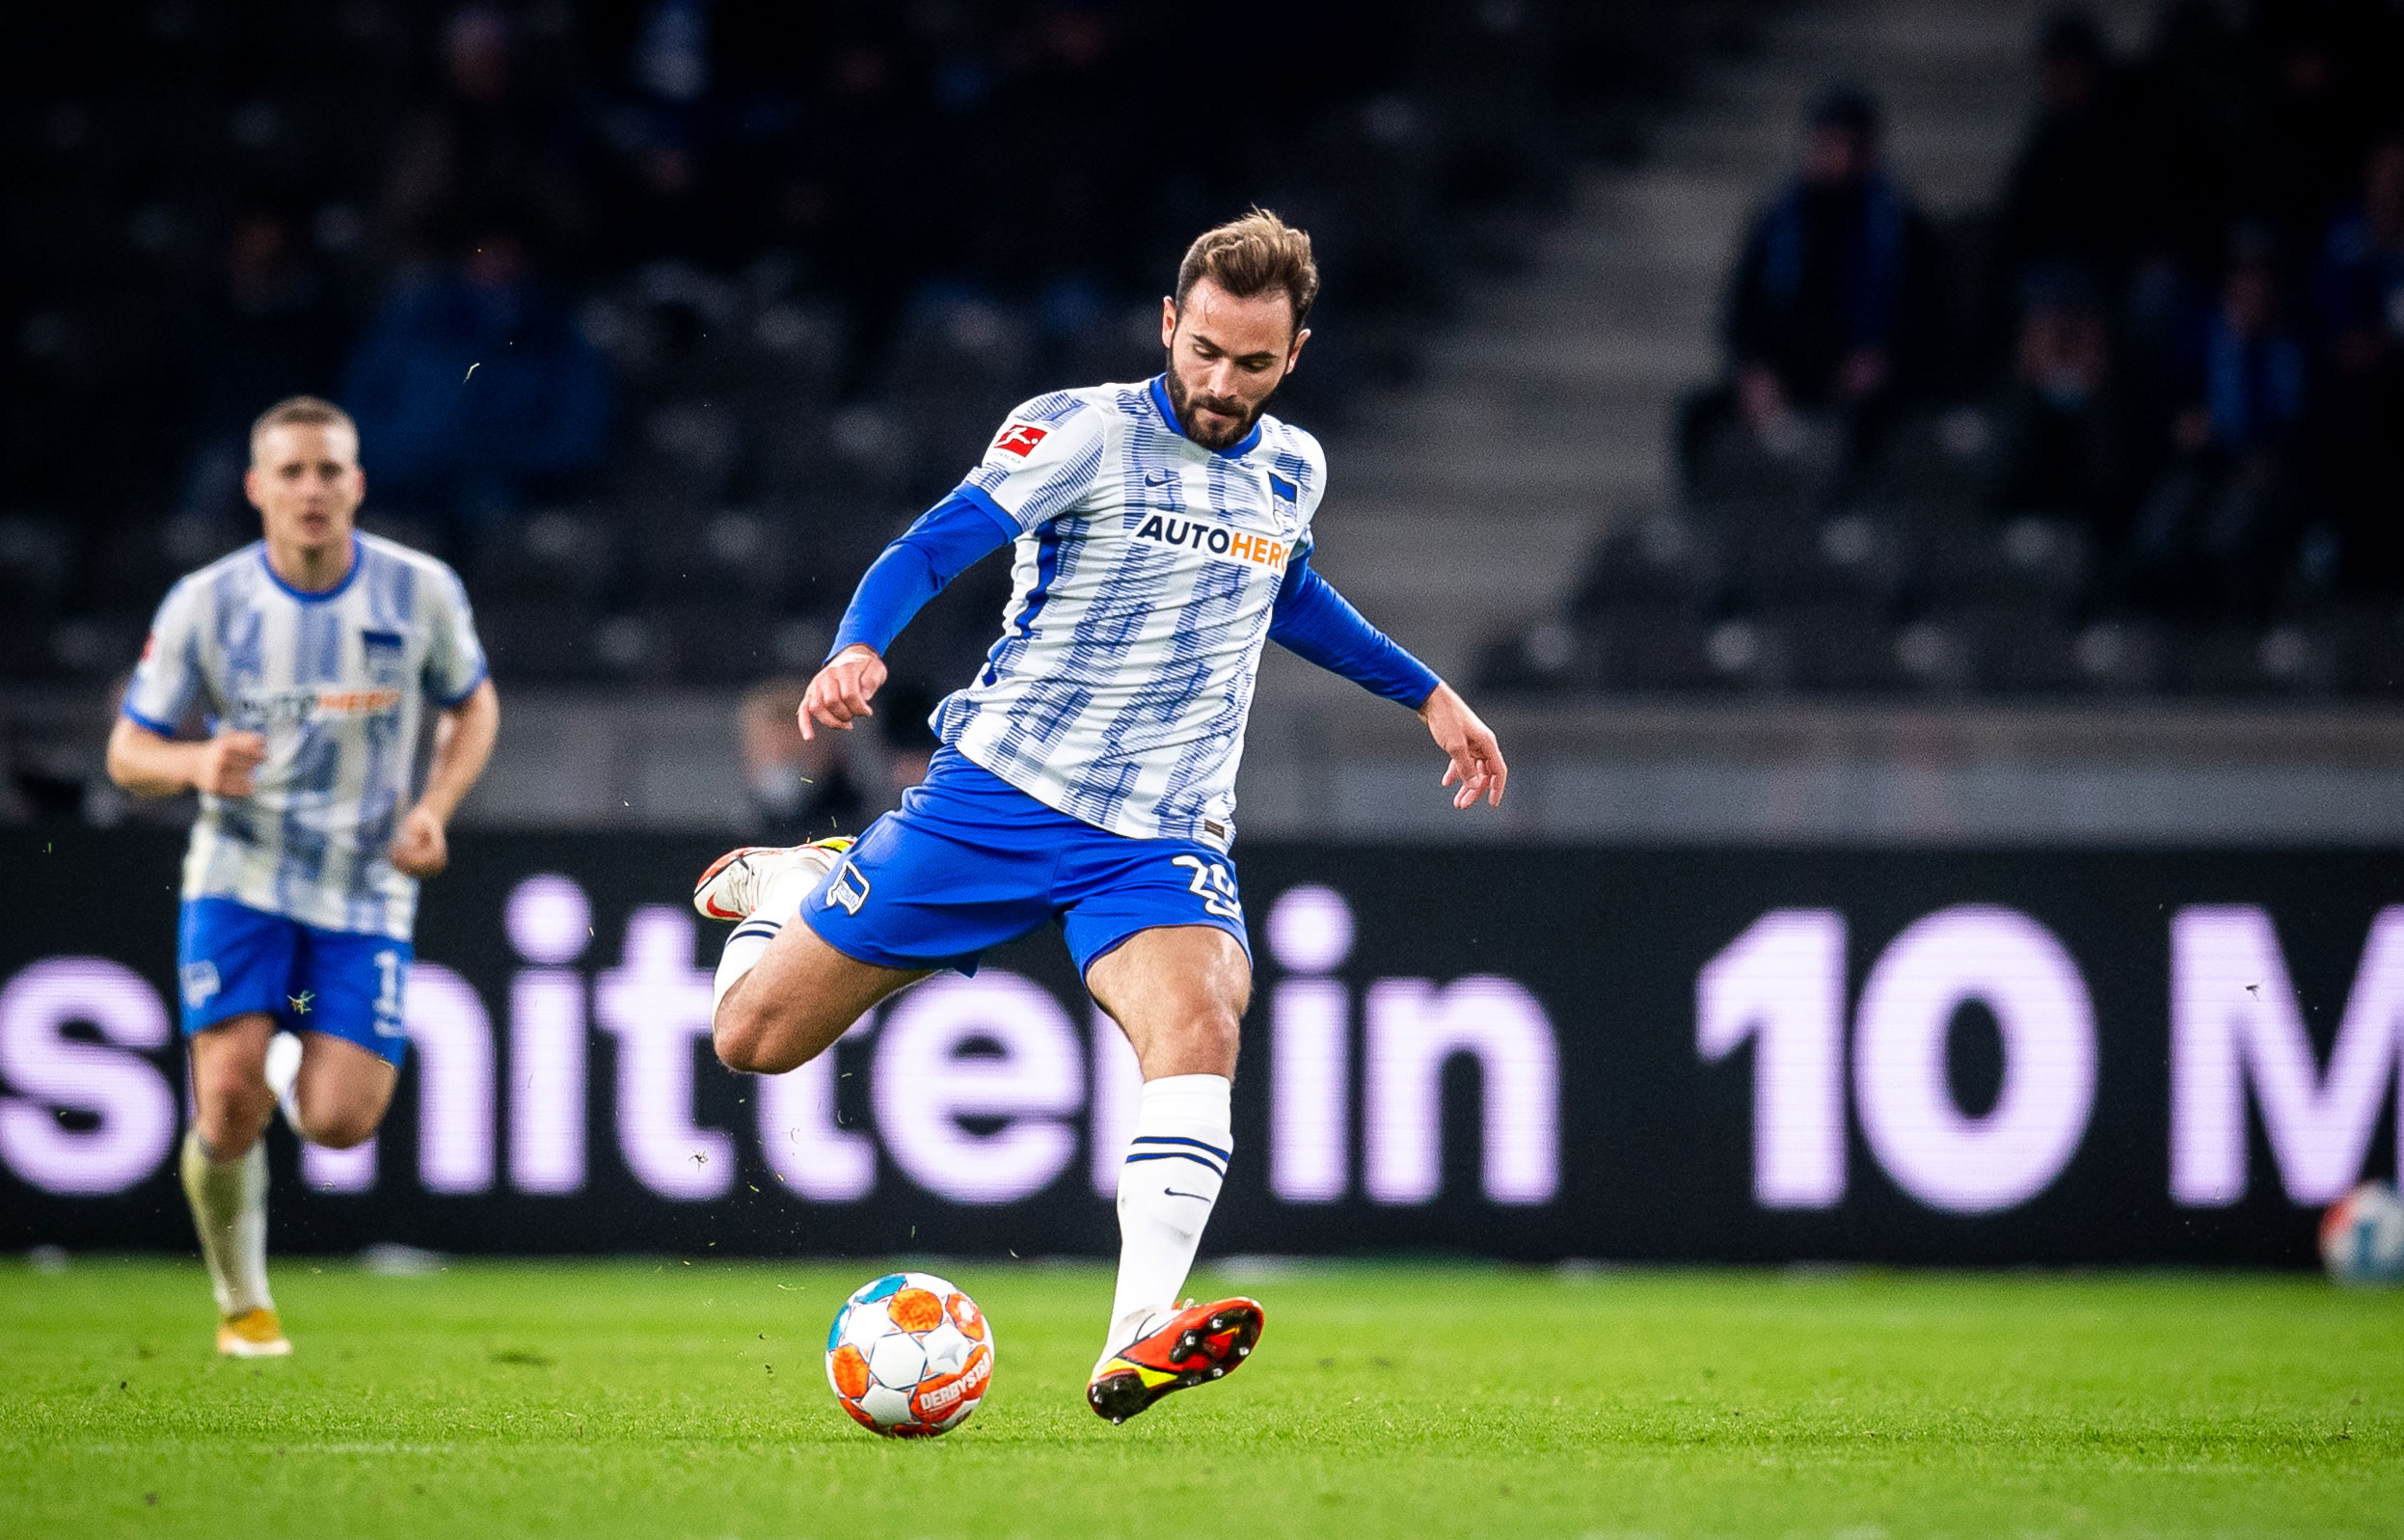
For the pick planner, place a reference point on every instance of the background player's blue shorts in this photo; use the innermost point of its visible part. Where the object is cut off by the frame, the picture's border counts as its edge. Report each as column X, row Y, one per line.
column 971, row 861
column 231, row 959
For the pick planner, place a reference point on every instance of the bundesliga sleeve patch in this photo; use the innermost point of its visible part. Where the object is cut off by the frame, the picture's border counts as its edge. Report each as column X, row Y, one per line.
column 1020, row 439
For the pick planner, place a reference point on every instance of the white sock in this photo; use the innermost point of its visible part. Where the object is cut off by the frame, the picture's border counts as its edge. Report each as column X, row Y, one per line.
column 283, row 1077
column 230, row 1210
column 782, row 902
column 1167, row 1190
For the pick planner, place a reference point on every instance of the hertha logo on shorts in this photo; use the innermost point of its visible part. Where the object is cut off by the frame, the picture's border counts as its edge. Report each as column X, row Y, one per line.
column 1020, row 439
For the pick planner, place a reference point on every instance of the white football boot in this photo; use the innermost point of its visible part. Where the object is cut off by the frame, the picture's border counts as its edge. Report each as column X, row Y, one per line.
column 736, row 881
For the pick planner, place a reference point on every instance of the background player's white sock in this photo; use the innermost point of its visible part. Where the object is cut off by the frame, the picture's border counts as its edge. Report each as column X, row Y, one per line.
column 230, row 1210
column 782, row 902
column 1167, row 1190
column 283, row 1077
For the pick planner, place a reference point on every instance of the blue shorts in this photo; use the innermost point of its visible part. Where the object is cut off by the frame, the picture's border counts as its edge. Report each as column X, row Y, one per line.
column 971, row 861
column 231, row 960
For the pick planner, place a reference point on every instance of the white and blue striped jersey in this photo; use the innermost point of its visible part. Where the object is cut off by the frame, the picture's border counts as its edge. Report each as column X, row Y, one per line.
column 1141, row 589
column 338, row 683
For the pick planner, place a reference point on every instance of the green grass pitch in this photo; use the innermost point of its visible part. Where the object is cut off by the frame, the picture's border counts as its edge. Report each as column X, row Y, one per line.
column 653, row 1399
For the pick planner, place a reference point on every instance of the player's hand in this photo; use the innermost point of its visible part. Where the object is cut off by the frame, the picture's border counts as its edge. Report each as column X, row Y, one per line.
column 420, row 848
column 225, row 764
column 841, row 692
column 1476, row 757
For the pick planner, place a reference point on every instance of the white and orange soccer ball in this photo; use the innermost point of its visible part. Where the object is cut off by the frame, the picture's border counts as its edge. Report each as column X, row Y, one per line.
column 2362, row 1237
column 909, row 1355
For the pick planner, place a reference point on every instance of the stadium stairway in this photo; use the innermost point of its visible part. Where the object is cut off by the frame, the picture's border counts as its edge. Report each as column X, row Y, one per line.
column 1467, row 502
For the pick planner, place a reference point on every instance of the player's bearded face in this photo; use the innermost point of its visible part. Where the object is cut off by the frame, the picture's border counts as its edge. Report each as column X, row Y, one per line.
column 1213, row 422
column 1227, row 357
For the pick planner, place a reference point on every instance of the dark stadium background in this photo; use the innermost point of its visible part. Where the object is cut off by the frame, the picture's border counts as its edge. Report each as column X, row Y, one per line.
column 747, row 284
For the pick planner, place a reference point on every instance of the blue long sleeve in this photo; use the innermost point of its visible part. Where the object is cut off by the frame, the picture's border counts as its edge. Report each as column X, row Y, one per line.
column 1315, row 622
column 947, row 540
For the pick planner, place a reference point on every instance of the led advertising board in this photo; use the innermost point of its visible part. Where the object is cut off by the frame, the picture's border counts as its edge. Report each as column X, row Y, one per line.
column 1655, row 1054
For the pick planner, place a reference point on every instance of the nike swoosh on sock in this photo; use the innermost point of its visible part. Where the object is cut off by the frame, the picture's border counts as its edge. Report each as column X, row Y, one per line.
column 1174, row 1193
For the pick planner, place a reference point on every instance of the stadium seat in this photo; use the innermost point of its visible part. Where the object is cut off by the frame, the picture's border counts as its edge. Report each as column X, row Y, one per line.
column 1852, row 558
column 1939, row 656
column 557, row 554
column 1658, row 559
column 2015, row 650
column 546, row 641
column 2040, row 565
column 705, row 644
column 36, row 559
column 686, row 455
column 416, row 533
column 734, row 554
column 1534, row 660
column 1836, row 646
column 25, row 651
column 142, row 561
column 2122, row 656
column 633, row 649
column 98, row 646
column 2241, row 659
column 1668, row 648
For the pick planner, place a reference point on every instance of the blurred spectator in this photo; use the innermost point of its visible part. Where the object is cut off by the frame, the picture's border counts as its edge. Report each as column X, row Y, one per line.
column 659, row 191
column 2209, row 533
column 800, row 787
column 2196, row 59
column 2321, row 91
column 2358, row 439
column 483, row 152
column 2073, row 191
column 474, row 390
column 871, row 198
column 2064, row 432
column 1826, row 309
column 266, row 329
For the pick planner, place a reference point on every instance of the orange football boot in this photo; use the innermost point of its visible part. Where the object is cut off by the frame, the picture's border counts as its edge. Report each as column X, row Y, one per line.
column 1200, row 1343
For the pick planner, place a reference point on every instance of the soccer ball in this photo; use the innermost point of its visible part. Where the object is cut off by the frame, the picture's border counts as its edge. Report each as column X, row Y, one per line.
column 909, row 1355
column 2362, row 1237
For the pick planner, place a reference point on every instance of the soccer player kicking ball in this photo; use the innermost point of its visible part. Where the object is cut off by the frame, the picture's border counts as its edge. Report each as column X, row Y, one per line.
column 1162, row 531
column 312, row 652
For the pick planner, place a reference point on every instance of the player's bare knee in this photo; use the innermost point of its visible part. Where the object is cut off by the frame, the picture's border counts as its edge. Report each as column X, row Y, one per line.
column 231, row 1113
column 341, row 1128
column 230, row 1123
column 1224, row 1032
column 1206, row 1041
column 742, row 1036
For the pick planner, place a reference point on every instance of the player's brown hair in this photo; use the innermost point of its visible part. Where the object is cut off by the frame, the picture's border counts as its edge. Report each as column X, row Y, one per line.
column 301, row 412
column 1251, row 256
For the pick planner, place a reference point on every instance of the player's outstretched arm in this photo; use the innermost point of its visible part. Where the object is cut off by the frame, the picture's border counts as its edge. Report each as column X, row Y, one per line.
column 150, row 764
column 1315, row 622
column 463, row 745
column 948, row 539
column 1477, row 755
column 841, row 693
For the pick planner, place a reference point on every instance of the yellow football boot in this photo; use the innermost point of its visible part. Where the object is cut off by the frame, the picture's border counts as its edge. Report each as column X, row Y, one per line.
column 252, row 1333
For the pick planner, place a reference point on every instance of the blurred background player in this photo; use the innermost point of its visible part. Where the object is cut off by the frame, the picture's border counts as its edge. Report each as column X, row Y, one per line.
column 1162, row 535
column 311, row 655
